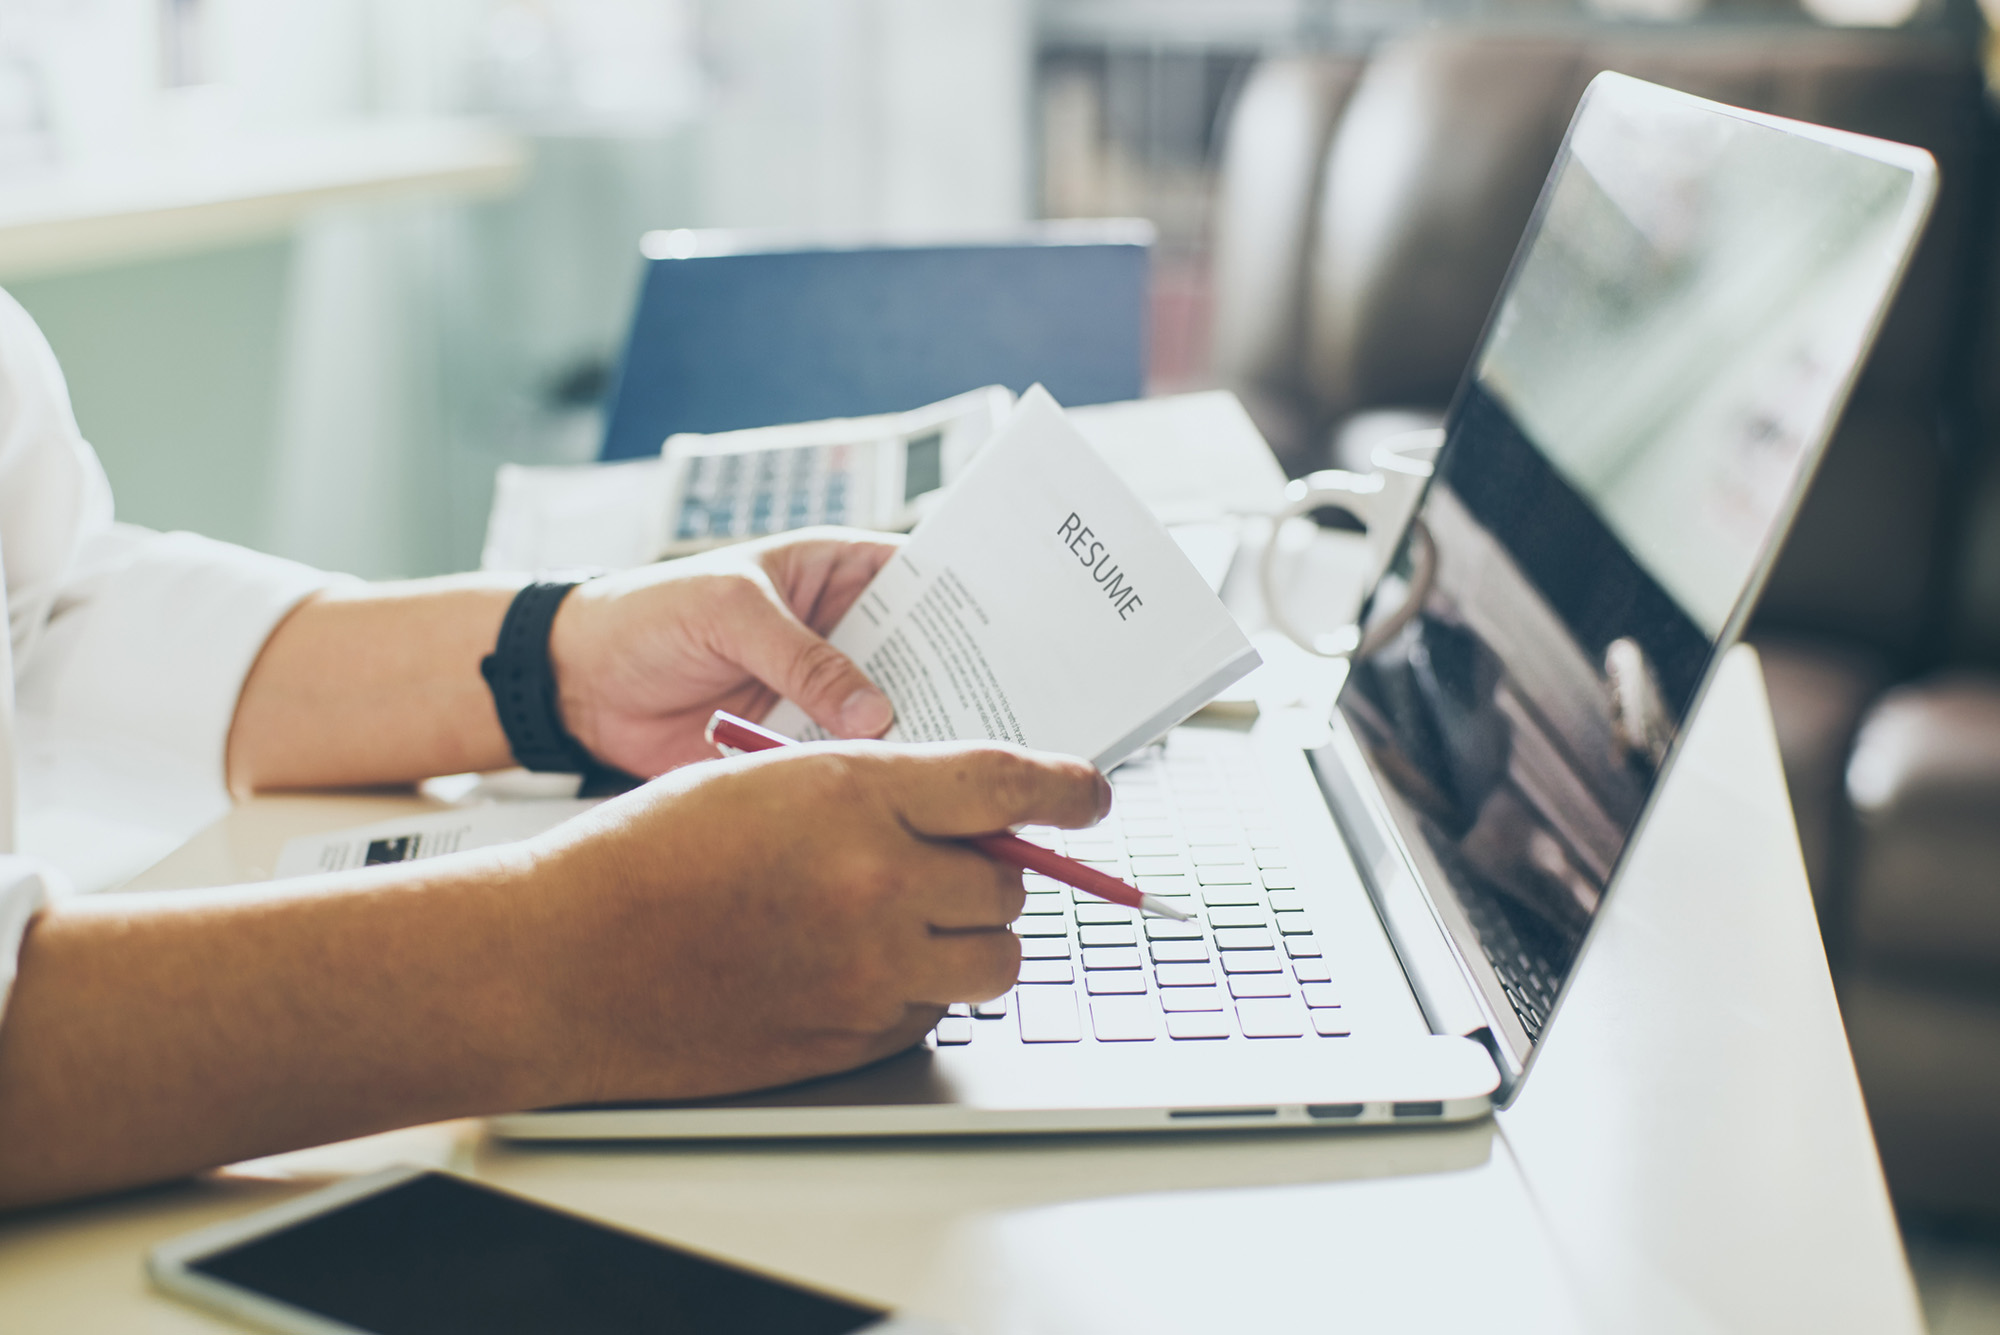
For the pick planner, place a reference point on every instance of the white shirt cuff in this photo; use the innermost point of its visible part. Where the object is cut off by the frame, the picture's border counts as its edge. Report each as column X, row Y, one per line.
column 152, row 638
column 24, row 888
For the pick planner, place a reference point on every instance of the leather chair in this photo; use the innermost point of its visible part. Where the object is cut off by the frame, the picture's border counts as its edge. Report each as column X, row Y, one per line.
column 1367, row 213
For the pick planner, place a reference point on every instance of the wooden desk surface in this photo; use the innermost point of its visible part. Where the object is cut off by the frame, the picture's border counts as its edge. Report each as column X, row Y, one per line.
column 1690, row 1154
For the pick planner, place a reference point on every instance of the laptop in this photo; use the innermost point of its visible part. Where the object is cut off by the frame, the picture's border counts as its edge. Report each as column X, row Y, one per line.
column 1385, row 926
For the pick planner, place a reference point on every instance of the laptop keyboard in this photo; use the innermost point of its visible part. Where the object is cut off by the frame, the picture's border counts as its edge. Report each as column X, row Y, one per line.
column 1529, row 982
column 1190, row 824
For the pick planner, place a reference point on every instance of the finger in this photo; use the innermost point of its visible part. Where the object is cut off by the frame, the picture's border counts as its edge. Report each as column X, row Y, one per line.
column 960, row 888
column 973, row 967
column 797, row 663
column 953, row 789
column 822, row 571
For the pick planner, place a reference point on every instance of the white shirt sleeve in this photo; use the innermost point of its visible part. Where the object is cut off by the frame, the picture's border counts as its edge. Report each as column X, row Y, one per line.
column 116, row 633
column 150, row 640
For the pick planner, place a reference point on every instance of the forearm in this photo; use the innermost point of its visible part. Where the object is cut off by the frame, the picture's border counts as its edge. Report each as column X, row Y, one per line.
column 376, row 684
column 152, row 1035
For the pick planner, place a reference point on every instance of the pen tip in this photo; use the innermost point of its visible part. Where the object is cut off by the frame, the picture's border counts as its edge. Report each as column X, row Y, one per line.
column 1155, row 905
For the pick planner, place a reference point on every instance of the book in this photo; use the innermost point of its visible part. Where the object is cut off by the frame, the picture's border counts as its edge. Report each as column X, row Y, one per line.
column 1043, row 603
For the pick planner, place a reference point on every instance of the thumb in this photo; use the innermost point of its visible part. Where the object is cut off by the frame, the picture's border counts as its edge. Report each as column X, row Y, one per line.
column 793, row 660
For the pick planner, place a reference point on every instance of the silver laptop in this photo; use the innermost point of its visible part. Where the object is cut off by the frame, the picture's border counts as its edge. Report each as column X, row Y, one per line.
column 1385, row 926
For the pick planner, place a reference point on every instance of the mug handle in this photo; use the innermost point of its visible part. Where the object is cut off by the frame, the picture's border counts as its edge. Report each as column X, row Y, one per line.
column 1361, row 495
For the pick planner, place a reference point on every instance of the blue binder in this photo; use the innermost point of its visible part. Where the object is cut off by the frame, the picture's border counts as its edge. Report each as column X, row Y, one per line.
column 742, row 339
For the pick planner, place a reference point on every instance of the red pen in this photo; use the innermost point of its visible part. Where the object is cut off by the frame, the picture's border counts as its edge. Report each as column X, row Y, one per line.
column 732, row 735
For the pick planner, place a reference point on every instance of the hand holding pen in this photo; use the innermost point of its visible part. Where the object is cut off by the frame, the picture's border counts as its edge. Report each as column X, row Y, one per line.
column 730, row 735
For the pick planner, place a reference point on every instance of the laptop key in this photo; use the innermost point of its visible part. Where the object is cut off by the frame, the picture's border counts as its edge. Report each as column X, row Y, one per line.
column 1199, row 1024
column 995, row 1009
column 1277, row 878
column 1331, row 1023
column 1044, row 948
column 1252, row 961
column 1046, row 971
column 1223, row 896
column 1042, row 924
column 1179, row 952
column 1242, row 938
column 1244, row 986
column 1302, row 947
column 1284, row 901
column 1232, row 873
column 1153, row 847
column 1115, row 935
column 1092, row 915
column 1176, row 999
column 1203, row 855
column 1319, row 996
column 1270, row 857
column 1124, row 1020
column 1116, row 983
column 959, row 1008
column 1163, row 929
column 1111, row 957
column 1239, row 916
column 1292, row 922
column 1274, row 1018
column 1311, row 971
column 1184, row 975
column 1159, row 866
column 953, row 1031
column 1048, row 1015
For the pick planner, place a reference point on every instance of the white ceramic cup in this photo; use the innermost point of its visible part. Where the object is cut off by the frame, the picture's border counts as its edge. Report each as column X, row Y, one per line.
column 1383, row 501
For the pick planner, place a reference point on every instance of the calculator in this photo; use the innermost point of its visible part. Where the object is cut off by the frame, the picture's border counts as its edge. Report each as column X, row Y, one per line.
column 870, row 472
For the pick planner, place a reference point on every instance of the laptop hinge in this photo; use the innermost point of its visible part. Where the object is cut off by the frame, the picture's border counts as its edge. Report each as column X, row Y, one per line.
column 1445, row 993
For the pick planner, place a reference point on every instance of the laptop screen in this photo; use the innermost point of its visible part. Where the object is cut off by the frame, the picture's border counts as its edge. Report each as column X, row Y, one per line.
column 1655, row 384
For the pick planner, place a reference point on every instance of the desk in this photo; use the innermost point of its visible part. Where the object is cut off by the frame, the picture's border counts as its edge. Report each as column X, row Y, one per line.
column 1689, row 1155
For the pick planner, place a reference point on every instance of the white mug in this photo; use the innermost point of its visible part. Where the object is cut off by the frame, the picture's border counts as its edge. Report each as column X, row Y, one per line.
column 1383, row 501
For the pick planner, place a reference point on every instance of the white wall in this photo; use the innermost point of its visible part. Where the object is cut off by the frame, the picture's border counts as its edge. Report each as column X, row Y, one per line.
column 418, row 341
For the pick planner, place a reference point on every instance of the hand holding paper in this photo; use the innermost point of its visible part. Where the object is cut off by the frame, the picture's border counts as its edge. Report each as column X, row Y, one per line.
column 1042, row 604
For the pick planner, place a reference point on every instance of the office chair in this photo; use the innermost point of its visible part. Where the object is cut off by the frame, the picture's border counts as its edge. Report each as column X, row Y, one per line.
column 736, row 330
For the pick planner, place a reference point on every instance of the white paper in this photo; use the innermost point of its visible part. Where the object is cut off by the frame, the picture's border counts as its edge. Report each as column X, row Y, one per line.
column 427, row 834
column 1042, row 603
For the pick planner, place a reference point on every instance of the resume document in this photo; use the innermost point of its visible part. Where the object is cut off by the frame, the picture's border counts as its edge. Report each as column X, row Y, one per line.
column 1041, row 603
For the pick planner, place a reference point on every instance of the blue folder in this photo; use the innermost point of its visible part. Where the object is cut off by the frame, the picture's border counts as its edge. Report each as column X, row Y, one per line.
column 753, row 338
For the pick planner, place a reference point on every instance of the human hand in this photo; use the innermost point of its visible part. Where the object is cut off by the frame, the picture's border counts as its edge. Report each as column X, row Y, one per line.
column 643, row 657
column 752, row 922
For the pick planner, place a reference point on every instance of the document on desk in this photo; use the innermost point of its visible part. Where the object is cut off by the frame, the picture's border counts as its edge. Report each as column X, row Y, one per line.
column 1041, row 603
column 424, row 834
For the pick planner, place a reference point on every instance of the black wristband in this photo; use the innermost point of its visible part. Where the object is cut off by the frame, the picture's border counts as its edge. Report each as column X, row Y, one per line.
column 523, row 682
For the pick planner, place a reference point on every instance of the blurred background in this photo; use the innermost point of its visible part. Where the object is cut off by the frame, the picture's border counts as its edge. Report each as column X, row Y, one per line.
column 315, row 268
